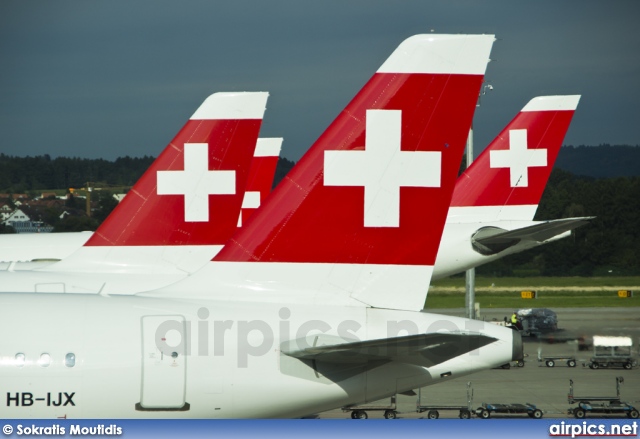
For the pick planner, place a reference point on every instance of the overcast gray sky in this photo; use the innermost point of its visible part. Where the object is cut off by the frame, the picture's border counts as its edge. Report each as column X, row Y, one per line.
column 108, row 78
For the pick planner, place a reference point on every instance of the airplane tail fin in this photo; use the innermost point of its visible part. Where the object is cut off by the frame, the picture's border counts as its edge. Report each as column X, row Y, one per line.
column 358, row 220
column 261, row 174
column 508, row 178
column 190, row 196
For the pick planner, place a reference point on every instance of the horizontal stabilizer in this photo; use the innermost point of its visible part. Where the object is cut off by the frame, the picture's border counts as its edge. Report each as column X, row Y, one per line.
column 492, row 240
column 421, row 350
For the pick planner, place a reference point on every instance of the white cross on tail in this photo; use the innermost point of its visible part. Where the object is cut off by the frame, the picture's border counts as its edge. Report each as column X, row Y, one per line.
column 196, row 182
column 518, row 158
column 382, row 168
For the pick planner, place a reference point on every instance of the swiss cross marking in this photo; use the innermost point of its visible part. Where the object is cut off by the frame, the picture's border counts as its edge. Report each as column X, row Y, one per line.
column 196, row 182
column 382, row 168
column 518, row 158
column 251, row 200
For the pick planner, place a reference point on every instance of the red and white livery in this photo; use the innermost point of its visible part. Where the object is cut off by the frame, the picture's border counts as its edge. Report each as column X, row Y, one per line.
column 361, row 214
column 298, row 303
column 495, row 199
column 261, row 175
column 37, row 250
column 175, row 218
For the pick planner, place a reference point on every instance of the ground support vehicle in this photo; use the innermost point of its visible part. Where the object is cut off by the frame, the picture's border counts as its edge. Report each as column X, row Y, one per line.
column 486, row 410
column 600, row 404
column 537, row 321
column 615, row 408
column 553, row 361
column 533, row 322
column 518, row 363
column 597, row 363
column 433, row 411
column 360, row 411
column 611, row 352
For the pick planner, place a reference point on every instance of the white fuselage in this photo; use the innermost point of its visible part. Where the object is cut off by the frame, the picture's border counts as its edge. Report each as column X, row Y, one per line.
column 89, row 356
column 109, row 270
column 148, row 268
column 26, row 247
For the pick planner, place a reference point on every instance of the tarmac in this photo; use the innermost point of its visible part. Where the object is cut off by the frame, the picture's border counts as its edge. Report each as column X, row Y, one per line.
column 535, row 383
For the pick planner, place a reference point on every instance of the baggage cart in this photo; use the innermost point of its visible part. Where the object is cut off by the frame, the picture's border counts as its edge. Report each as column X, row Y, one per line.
column 433, row 410
column 359, row 411
column 607, row 405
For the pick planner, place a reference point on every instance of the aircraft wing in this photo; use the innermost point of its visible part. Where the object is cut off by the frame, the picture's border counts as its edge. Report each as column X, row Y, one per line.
column 539, row 232
column 421, row 350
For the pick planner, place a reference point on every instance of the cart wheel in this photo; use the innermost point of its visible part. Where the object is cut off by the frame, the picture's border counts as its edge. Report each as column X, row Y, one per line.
column 433, row 414
column 506, row 366
column 390, row 414
column 579, row 413
column 571, row 363
column 361, row 414
column 353, row 414
column 594, row 365
column 537, row 414
column 520, row 363
column 627, row 366
column 633, row 414
column 465, row 414
column 484, row 414
column 550, row 363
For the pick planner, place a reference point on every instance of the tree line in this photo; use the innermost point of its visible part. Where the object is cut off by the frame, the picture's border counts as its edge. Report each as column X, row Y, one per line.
column 609, row 244
column 29, row 175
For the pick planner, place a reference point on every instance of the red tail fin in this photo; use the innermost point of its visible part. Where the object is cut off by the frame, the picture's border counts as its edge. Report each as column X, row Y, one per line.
column 507, row 180
column 192, row 193
column 261, row 174
column 363, row 211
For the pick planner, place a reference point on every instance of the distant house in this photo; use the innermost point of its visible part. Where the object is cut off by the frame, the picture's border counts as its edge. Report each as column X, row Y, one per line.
column 17, row 216
column 17, row 199
column 5, row 211
column 22, row 223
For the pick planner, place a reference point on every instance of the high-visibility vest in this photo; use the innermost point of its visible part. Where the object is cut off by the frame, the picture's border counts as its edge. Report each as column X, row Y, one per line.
column 514, row 319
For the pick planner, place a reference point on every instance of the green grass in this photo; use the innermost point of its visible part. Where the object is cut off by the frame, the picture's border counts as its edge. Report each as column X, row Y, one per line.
column 552, row 292
column 547, row 299
column 533, row 282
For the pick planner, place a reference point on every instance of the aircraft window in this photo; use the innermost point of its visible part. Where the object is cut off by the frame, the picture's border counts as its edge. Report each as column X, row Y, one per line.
column 20, row 359
column 45, row 360
column 70, row 359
